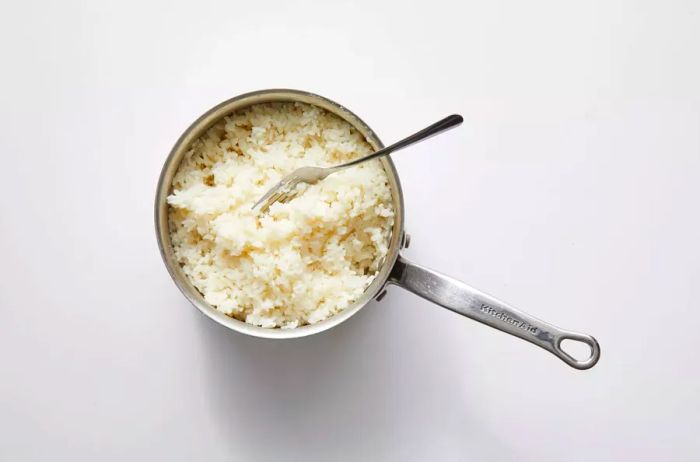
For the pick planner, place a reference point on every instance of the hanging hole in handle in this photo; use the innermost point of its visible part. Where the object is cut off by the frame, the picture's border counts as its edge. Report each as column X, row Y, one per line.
column 572, row 345
column 575, row 349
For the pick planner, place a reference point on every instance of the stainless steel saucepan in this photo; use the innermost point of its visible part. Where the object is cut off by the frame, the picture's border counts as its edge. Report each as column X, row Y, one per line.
column 431, row 285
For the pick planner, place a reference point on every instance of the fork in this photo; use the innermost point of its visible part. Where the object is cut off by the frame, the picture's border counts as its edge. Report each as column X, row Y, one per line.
column 286, row 189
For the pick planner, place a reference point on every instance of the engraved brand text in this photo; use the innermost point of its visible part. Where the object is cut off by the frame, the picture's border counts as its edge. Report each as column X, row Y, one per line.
column 505, row 318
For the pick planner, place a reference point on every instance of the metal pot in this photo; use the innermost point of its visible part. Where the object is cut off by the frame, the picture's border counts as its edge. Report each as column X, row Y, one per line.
column 435, row 287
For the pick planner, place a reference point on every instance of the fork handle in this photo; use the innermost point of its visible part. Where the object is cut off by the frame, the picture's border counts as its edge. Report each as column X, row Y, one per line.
column 431, row 130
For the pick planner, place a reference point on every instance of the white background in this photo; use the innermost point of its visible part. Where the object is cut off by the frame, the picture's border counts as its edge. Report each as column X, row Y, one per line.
column 570, row 191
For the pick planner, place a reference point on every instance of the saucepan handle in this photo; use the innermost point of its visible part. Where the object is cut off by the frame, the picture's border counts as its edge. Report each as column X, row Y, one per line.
column 467, row 301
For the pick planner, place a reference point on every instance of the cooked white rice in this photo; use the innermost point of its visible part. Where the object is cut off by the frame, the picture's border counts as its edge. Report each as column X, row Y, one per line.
column 302, row 261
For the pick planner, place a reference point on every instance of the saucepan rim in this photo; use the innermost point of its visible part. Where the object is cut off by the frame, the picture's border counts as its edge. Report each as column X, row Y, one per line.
column 172, row 162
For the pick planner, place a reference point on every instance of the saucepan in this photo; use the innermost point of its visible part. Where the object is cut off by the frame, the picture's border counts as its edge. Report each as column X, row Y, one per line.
column 395, row 270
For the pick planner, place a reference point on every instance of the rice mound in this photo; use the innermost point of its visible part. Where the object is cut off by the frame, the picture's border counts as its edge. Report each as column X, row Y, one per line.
column 302, row 261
